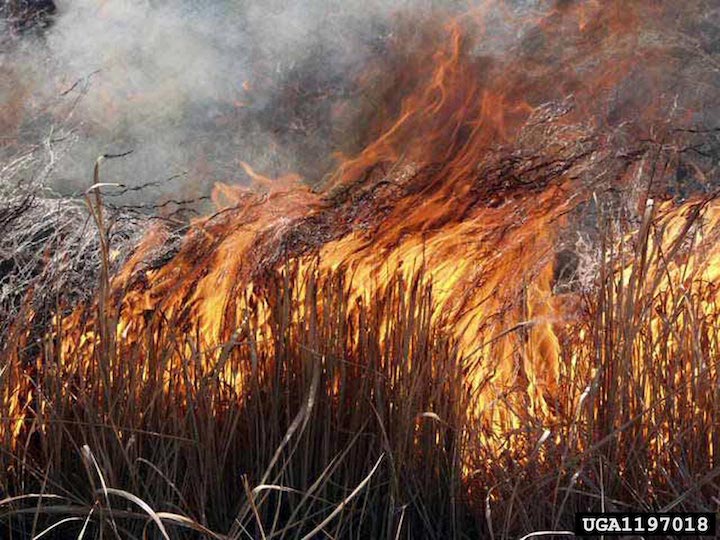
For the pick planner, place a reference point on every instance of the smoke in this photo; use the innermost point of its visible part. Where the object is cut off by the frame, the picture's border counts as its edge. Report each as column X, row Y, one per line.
column 197, row 86
column 201, row 86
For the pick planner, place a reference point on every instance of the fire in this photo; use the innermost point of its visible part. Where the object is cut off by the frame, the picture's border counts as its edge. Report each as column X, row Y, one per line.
column 437, row 224
column 436, row 198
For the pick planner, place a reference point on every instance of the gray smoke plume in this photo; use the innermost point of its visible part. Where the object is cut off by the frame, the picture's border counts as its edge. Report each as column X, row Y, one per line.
column 201, row 86
column 194, row 86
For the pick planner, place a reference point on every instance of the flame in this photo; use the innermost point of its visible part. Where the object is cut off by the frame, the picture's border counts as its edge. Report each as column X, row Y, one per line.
column 421, row 199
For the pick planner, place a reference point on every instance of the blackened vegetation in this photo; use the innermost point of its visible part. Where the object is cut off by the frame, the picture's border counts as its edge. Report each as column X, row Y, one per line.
column 23, row 15
column 584, row 160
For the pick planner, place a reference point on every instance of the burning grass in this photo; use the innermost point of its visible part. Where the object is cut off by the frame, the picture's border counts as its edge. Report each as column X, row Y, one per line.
column 404, row 354
column 338, row 393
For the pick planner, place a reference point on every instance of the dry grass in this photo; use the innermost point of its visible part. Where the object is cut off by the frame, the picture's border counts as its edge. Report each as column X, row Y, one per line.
column 315, row 419
column 334, row 418
column 359, row 427
column 354, row 420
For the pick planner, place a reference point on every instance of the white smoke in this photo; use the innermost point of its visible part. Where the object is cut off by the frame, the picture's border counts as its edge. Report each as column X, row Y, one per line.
column 198, row 86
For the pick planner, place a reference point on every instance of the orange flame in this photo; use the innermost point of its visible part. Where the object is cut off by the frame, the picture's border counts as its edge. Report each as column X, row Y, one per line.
column 416, row 200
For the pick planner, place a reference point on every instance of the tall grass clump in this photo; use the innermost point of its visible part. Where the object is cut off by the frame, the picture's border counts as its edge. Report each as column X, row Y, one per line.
column 321, row 414
column 333, row 405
